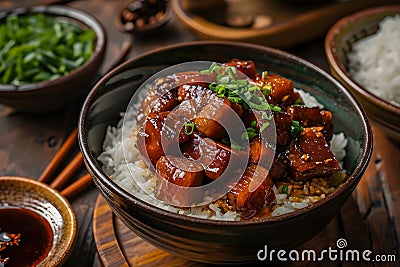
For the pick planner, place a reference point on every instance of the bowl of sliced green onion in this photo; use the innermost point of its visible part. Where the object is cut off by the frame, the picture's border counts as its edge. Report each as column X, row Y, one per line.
column 49, row 56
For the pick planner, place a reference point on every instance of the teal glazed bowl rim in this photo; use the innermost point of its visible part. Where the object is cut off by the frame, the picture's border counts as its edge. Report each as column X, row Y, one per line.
column 78, row 16
column 207, row 240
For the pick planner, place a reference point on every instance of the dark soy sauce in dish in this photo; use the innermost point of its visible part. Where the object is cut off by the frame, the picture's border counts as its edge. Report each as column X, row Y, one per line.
column 35, row 240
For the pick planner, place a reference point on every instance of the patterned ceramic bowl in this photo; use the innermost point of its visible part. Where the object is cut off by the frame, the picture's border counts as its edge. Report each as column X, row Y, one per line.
column 40, row 215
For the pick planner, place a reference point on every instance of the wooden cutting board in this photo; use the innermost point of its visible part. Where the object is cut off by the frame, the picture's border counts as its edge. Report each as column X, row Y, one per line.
column 118, row 246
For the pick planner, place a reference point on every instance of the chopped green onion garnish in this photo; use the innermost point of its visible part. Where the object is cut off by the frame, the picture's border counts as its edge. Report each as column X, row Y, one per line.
column 221, row 91
column 264, row 74
column 296, row 129
column 235, row 99
column 266, row 89
column 37, row 47
column 298, row 102
column 236, row 146
column 275, row 108
column 251, row 129
column 251, row 135
column 225, row 141
column 213, row 87
column 285, row 189
column 262, row 106
column 267, row 116
column 264, row 126
column 213, row 68
column 223, row 79
column 254, row 88
column 189, row 128
column 231, row 72
column 233, row 145
column 243, row 82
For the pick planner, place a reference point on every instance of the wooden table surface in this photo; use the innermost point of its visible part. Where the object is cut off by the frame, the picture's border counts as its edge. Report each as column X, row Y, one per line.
column 370, row 218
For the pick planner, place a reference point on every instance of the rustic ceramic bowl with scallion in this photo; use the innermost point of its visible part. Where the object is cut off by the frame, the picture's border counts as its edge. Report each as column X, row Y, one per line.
column 48, row 69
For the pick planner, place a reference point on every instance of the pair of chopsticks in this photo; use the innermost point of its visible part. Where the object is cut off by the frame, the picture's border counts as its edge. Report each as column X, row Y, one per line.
column 77, row 162
column 69, row 171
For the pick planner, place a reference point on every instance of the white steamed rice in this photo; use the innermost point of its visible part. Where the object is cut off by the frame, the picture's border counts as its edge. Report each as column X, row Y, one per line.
column 374, row 61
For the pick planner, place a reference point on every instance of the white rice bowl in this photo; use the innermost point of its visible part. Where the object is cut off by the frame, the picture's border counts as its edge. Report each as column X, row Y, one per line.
column 374, row 61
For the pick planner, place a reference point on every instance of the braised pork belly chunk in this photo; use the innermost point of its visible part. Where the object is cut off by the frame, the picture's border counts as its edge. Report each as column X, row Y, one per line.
column 250, row 200
column 233, row 121
column 310, row 156
column 313, row 117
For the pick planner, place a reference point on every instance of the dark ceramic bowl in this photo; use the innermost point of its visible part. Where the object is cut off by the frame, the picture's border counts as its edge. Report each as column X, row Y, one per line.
column 50, row 95
column 154, row 15
column 18, row 192
column 338, row 43
column 209, row 240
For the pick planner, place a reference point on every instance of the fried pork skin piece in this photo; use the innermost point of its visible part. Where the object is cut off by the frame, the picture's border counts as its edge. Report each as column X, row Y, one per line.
column 282, row 123
column 162, row 96
column 310, row 156
column 279, row 167
column 280, row 90
column 214, row 156
column 265, row 156
column 313, row 117
column 168, row 172
column 248, row 201
column 211, row 111
column 246, row 67
column 190, row 174
column 260, row 152
column 194, row 77
column 149, row 137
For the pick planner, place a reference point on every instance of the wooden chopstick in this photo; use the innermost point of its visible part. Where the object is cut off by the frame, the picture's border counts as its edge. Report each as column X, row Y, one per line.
column 77, row 186
column 60, row 157
column 69, row 171
column 76, row 164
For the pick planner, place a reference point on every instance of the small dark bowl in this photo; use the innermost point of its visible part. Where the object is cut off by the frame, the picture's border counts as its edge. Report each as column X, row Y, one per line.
column 209, row 240
column 50, row 95
column 149, row 9
column 338, row 42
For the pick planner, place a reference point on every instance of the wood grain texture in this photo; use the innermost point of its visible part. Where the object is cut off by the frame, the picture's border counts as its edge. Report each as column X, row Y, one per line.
column 378, row 196
column 370, row 219
column 107, row 244
column 60, row 156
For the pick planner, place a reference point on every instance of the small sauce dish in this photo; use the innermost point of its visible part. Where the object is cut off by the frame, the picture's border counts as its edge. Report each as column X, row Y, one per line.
column 139, row 16
column 37, row 224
